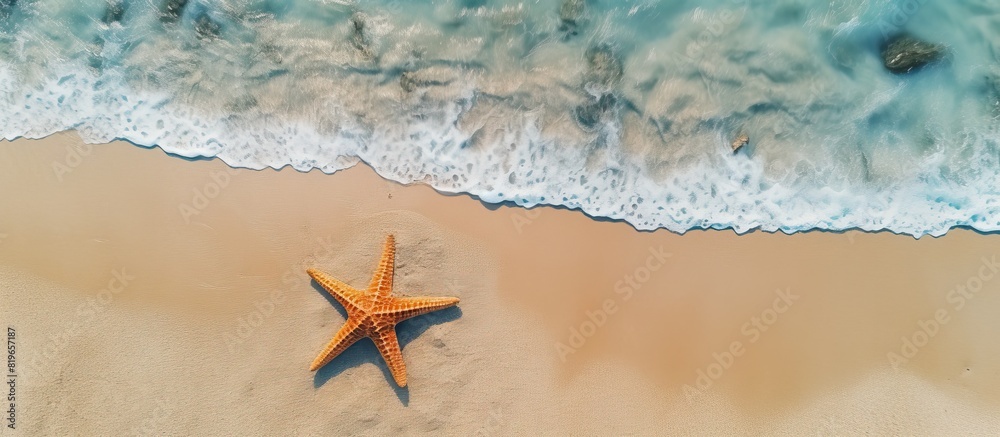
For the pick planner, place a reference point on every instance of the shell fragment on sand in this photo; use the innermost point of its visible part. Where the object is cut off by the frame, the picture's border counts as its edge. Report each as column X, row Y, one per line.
column 740, row 141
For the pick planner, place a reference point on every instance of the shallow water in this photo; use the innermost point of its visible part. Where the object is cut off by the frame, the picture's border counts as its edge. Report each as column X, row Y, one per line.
column 625, row 110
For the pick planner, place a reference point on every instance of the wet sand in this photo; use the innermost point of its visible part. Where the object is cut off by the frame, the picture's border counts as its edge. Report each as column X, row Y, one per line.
column 155, row 294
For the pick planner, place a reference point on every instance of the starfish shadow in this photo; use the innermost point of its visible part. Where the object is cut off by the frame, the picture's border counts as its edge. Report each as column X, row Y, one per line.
column 364, row 351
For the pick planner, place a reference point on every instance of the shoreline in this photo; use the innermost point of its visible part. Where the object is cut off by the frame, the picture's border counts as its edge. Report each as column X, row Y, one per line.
column 208, row 249
column 64, row 168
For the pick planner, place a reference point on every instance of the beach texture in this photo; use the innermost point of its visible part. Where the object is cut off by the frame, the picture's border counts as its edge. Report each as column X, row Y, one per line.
column 158, row 295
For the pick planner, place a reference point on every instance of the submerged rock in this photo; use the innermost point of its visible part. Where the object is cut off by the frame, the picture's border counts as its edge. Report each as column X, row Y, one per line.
column 172, row 10
column 115, row 12
column 604, row 69
column 570, row 12
column 6, row 7
column 592, row 113
column 905, row 53
column 206, row 28
column 740, row 141
column 604, row 73
column 410, row 81
column 360, row 37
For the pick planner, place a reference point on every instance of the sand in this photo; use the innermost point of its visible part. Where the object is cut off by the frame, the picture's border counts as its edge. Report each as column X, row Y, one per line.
column 157, row 295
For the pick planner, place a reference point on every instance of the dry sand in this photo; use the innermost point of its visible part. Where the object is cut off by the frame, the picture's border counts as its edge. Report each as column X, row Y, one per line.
column 156, row 295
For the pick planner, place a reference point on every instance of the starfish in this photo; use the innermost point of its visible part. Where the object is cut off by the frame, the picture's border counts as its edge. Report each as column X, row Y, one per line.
column 374, row 313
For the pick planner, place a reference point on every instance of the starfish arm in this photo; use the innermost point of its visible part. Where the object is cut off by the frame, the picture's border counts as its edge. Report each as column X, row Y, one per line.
column 388, row 346
column 382, row 280
column 402, row 308
column 350, row 298
column 346, row 336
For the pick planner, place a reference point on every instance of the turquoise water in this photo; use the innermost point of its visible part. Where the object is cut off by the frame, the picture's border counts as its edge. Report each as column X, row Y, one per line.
column 623, row 109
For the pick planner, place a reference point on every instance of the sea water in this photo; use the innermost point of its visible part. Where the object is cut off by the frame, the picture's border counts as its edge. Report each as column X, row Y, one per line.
column 622, row 109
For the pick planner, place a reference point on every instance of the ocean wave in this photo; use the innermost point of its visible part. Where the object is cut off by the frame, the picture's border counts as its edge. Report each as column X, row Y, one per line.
column 625, row 112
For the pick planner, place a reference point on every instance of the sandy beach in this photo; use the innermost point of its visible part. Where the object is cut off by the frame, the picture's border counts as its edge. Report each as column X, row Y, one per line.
column 152, row 294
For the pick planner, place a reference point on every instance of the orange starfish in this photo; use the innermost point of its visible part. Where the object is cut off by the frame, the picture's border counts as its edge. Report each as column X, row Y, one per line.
column 374, row 313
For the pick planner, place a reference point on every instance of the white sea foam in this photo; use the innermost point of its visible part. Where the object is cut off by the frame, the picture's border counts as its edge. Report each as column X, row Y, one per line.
column 628, row 119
